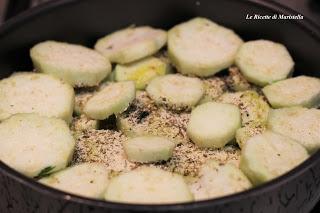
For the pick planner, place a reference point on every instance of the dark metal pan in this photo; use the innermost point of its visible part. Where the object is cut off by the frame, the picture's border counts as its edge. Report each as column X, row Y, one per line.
column 83, row 21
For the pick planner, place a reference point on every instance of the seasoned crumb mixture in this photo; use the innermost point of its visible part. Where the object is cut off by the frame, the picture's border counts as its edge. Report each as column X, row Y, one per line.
column 188, row 158
column 253, row 107
column 236, row 81
column 246, row 132
column 214, row 88
column 144, row 118
column 80, row 100
column 82, row 123
column 104, row 146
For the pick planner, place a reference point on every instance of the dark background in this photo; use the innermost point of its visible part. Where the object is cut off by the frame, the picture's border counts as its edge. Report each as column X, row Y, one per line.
column 309, row 8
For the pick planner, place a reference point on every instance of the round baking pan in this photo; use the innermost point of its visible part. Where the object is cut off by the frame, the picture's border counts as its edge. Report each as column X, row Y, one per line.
column 83, row 21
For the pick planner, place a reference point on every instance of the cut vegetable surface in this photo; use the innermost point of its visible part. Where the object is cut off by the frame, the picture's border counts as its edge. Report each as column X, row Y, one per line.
column 269, row 155
column 35, row 145
column 148, row 186
column 300, row 124
column 263, row 62
column 148, row 149
column 131, row 44
column 75, row 64
column 141, row 72
column 176, row 91
column 87, row 179
column 216, row 180
column 112, row 99
column 299, row 91
column 35, row 93
column 201, row 47
column 213, row 124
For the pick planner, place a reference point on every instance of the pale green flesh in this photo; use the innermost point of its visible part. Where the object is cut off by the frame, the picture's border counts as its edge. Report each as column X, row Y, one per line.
column 148, row 149
column 269, row 155
column 112, row 99
column 299, row 91
column 148, row 186
column 75, row 64
column 218, row 123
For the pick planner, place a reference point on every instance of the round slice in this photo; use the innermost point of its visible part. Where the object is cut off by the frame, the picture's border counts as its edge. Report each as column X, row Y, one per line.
column 75, row 64
column 35, row 145
column 218, row 180
column 213, row 124
column 201, row 47
column 148, row 186
column 299, row 91
column 131, row 44
column 87, row 179
column 300, row 124
column 263, row 62
column 269, row 155
column 36, row 93
column 176, row 92
column 148, row 149
column 141, row 72
column 112, row 99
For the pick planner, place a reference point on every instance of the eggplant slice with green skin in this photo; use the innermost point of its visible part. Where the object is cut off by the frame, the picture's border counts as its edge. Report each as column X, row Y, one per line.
column 86, row 179
column 131, row 44
column 148, row 149
column 176, row 92
column 112, row 99
column 301, row 91
column 200, row 47
column 32, row 144
column 148, row 185
column 26, row 92
column 264, row 62
column 217, row 180
column 269, row 155
column 75, row 64
column 213, row 125
column 297, row 123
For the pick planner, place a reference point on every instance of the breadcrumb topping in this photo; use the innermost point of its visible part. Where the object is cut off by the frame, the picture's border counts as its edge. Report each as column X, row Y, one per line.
column 214, row 88
column 80, row 100
column 188, row 158
column 236, row 81
column 104, row 146
column 144, row 118
column 82, row 123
